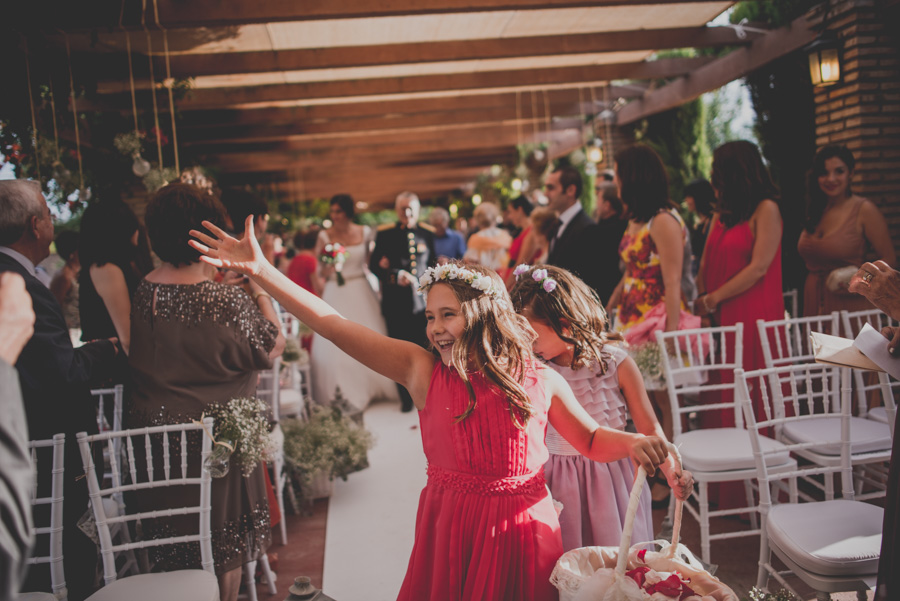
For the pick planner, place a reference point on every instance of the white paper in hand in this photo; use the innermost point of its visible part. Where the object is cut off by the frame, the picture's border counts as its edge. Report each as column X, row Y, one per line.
column 834, row 350
column 875, row 346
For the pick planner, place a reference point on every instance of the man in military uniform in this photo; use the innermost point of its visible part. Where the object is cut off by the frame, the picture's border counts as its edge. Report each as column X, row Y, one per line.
column 401, row 255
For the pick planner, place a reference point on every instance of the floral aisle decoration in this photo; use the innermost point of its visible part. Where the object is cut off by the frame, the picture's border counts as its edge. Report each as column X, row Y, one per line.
column 327, row 444
column 335, row 254
column 294, row 352
column 241, row 428
column 649, row 360
column 757, row 594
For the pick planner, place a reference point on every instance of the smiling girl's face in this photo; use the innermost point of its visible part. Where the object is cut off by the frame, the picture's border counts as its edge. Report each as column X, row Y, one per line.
column 444, row 320
column 548, row 345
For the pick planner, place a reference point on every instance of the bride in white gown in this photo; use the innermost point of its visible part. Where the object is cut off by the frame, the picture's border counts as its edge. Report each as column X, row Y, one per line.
column 355, row 300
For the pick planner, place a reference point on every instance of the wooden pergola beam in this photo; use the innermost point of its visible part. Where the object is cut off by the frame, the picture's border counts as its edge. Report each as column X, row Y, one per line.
column 115, row 65
column 200, row 13
column 714, row 75
column 580, row 102
column 439, row 138
column 204, row 99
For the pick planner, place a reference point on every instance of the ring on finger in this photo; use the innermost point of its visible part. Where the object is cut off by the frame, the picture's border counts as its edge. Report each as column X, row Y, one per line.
column 867, row 277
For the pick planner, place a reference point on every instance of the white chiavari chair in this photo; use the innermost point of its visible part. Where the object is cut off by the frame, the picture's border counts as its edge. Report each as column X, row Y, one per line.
column 788, row 342
column 713, row 455
column 831, row 545
column 54, row 529
column 853, row 322
column 790, row 303
column 158, row 442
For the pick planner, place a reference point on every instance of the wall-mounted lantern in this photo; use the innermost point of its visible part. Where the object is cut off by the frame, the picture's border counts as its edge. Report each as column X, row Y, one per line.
column 824, row 60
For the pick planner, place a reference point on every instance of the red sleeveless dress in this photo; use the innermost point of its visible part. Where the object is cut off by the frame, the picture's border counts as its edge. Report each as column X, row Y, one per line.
column 486, row 527
column 729, row 250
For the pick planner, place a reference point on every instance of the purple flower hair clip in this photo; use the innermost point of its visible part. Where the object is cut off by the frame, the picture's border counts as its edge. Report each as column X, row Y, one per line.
column 538, row 275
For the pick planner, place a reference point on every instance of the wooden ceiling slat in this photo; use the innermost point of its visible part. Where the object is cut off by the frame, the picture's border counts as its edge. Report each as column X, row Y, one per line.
column 286, row 115
column 217, row 12
column 203, row 99
column 195, row 65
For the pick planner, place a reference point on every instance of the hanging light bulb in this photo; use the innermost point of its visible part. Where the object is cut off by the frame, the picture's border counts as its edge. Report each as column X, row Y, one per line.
column 516, row 184
column 476, row 199
column 140, row 167
column 454, row 210
column 595, row 151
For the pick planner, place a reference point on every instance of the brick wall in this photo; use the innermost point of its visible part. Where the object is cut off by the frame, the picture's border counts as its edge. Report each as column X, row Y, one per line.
column 862, row 111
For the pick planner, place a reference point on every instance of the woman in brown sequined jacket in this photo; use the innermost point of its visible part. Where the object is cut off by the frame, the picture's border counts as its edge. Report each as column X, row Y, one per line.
column 195, row 342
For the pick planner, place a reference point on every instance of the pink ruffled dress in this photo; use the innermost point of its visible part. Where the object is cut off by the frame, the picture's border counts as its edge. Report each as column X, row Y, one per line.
column 486, row 527
column 595, row 495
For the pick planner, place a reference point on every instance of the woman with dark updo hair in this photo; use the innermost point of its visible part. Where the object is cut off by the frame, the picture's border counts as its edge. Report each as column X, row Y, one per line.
column 356, row 299
column 194, row 343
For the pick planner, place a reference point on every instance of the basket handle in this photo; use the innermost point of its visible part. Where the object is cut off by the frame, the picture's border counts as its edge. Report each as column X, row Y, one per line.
column 633, row 502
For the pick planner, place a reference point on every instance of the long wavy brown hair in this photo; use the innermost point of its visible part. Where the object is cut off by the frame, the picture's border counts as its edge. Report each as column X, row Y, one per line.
column 572, row 310
column 496, row 341
column 741, row 181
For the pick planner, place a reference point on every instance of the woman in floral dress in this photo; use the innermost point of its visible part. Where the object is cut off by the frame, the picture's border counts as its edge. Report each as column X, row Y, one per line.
column 648, row 298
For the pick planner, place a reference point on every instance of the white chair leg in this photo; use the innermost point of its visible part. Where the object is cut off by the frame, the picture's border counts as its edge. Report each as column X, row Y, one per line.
column 268, row 574
column 703, row 502
column 748, row 491
column 279, row 480
column 765, row 557
column 250, row 579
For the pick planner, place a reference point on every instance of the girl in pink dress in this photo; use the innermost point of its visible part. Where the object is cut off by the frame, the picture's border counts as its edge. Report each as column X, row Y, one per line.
column 486, row 527
column 570, row 323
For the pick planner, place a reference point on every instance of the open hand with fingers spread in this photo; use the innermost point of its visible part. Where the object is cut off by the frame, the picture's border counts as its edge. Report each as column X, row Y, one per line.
column 221, row 250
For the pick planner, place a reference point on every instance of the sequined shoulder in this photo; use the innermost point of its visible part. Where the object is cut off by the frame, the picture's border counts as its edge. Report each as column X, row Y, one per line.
column 194, row 304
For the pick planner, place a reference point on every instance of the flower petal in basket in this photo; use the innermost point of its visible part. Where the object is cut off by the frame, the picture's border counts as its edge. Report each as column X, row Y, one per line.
column 685, row 563
column 608, row 585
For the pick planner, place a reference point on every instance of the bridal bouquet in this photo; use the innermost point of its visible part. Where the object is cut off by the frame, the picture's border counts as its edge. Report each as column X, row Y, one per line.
column 335, row 254
column 242, row 427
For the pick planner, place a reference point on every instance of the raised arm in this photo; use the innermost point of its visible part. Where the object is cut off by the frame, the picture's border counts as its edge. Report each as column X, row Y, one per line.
column 404, row 362
column 668, row 236
column 592, row 440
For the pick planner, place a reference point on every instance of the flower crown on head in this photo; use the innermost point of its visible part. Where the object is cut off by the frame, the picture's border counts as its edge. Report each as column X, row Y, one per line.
column 538, row 275
column 450, row 271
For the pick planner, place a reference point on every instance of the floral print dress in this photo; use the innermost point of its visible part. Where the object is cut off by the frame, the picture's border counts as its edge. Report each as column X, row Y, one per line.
column 644, row 288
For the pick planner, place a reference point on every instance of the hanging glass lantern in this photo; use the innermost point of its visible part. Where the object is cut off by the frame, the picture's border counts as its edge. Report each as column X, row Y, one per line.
column 824, row 60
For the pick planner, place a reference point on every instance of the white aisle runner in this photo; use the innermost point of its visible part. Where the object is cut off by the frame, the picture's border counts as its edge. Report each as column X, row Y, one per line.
column 371, row 517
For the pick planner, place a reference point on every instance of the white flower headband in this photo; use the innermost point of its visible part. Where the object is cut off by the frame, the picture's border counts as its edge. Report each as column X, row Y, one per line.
column 538, row 275
column 450, row 271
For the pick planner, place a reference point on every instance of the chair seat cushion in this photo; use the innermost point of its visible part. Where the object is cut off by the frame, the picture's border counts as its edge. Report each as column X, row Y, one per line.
column 724, row 449
column 828, row 538
column 866, row 435
column 183, row 585
column 878, row 414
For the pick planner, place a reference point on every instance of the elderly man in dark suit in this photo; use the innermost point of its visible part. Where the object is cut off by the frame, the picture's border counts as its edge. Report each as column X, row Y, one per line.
column 402, row 253
column 575, row 245
column 54, row 376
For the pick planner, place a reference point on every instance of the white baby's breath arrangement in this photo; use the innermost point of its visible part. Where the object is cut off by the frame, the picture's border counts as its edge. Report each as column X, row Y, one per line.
column 649, row 359
column 243, row 422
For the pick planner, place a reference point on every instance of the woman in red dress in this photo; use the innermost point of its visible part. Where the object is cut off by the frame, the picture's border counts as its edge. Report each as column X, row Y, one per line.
column 740, row 271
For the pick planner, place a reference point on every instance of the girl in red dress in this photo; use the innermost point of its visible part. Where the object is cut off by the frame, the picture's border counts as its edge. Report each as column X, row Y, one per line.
column 486, row 527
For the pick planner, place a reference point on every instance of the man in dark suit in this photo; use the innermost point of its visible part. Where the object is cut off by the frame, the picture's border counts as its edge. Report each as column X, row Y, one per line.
column 574, row 246
column 55, row 378
column 401, row 255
